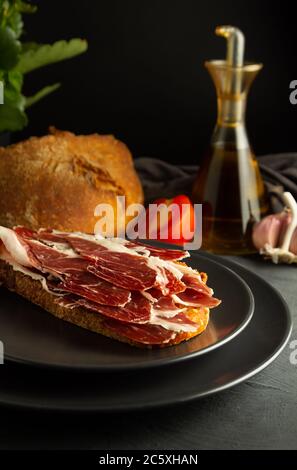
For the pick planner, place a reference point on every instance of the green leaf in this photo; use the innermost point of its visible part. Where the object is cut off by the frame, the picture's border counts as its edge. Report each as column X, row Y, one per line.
column 12, row 118
column 11, row 14
column 28, row 46
column 25, row 7
column 10, row 48
column 13, row 81
column 46, row 54
column 12, row 112
column 16, row 23
column 13, row 95
column 30, row 100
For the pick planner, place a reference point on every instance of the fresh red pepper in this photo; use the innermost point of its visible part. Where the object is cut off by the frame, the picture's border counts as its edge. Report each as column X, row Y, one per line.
column 171, row 220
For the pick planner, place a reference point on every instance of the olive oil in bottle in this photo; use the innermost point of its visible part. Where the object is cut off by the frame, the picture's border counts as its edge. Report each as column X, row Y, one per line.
column 229, row 183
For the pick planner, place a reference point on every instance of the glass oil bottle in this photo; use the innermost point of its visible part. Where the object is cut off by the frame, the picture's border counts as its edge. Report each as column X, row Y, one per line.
column 229, row 183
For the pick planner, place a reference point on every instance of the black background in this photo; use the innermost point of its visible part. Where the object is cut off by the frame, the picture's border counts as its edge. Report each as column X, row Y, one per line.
column 143, row 77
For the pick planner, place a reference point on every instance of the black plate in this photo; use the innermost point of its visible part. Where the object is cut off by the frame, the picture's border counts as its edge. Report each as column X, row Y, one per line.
column 33, row 336
column 256, row 347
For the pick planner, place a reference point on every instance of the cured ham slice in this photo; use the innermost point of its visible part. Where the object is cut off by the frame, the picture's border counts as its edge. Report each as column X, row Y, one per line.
column 121, row 268
column 138, row 310
column 116, row 263
column 92, row 288
column 162, row 253
column 113, row 262
column 111, row 256
column 76, row 278
column 144, row 334
column 179, row 323
column 193, row 280
column 25, row 232
column 140, row 293
column 125, row 271
column 138, row 247
column 194, row 298
column 175, row 285
column 15, row 246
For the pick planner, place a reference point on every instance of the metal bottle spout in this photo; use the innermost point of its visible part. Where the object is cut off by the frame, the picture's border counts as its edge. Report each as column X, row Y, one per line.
column 235, row 44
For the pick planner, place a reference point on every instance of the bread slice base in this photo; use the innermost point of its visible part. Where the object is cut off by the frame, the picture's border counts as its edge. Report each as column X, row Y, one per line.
column 33, row 291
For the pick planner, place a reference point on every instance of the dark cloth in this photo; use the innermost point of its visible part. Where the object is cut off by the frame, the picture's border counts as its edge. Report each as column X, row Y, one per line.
column 161, row 179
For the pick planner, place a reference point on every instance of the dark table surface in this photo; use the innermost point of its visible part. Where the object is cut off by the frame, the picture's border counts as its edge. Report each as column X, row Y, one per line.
column 260, row 413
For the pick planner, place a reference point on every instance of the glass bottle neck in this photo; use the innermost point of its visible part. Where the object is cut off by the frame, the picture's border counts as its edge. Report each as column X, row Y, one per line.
column 230, row 131
column 232, row 87
column 231, row 111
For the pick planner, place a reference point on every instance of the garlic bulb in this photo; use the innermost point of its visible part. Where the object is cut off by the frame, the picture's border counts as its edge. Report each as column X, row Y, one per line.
column 276, row 235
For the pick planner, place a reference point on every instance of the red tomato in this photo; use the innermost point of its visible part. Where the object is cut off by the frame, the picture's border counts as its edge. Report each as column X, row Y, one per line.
column 171, row 220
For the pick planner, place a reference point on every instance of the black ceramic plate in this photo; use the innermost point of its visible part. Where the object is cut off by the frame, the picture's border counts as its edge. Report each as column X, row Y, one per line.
column 256, row 347
column 33, row 336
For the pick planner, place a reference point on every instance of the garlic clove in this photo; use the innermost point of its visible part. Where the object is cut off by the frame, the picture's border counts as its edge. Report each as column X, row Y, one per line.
column 293, row 244
column 269, row 230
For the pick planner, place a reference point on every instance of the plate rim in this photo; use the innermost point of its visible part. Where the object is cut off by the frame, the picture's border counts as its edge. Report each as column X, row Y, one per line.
column 150, row 364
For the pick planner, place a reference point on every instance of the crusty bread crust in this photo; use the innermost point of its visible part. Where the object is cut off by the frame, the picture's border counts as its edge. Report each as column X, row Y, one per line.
column 32, row 290
column 58, row 180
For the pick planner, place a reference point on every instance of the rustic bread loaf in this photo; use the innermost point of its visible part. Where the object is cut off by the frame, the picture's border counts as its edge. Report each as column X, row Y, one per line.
column 57, row 180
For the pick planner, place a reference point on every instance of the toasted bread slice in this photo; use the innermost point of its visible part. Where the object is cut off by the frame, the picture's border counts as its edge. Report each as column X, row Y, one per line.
column 32, row 290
